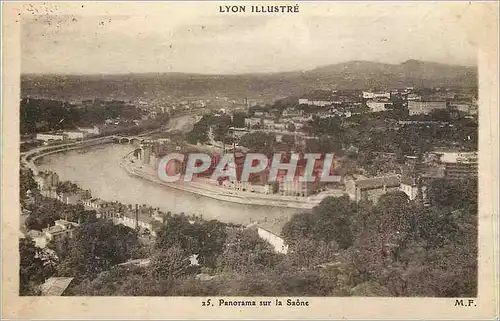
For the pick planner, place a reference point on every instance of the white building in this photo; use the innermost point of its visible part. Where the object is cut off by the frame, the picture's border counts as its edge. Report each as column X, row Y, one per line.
column 254, row 121
column 377, row 105
column 94, row 203
column 317, row 103
column 268, row 123
column 409, row 187
column 50, row 136
column 90, row 130
column 72, row 199
column 280, row 126
column 75, row 134
column 60, row 229
column 460, row 165
column 276, row 241
column 375, row 95
column 425, row 107
column 292, row 112
column 143, row 224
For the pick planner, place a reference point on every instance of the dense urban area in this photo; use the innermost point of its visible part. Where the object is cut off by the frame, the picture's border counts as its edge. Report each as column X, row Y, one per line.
column 401, row 220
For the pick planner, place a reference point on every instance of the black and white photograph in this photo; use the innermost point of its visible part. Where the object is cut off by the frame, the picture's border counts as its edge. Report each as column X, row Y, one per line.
column 251, row 154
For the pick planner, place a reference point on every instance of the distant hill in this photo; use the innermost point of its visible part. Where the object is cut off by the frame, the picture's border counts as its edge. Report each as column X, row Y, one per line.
column 349, row 75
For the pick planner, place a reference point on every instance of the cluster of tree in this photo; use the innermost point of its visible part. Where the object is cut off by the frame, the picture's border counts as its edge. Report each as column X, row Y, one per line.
column 259, row 142
column 26, row 182
column 239, row 255
column 324, row 144
column 219, row 126
column 393, row 248
column 45, row 211
column 203, row 238
column 34, row 267
column 454, row 193
column 399, row 247
column 95, row 246
column 239, row 119
column 38, row 115
column 372, row 133
column 67, row 187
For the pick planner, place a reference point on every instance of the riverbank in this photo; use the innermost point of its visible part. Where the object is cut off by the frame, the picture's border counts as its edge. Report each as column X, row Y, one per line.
column 222, row 194
column 201, row 189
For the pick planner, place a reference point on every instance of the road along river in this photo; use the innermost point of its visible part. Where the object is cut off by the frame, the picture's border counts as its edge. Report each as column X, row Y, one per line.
column 96, row 168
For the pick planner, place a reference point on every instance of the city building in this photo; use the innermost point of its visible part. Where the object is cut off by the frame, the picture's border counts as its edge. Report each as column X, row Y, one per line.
column 425, row 107
column 90, row 130
column 317, row 103
column 145, row 154
column 412, row 97
column 280, row 126
column 47, row 183
column 68, row 198
column 375, row 95
column 253, row 122
column 411, row 187
column 292, row 112
column 74, row 134
column 268, row 123
column 460, row 165
column 50, row 136
column 377, row 105
column 293, row 188
column 238, row 132
column 372, row 188
column 61, row 228
column 94, row 203
column 140, row 221
column 38, row 237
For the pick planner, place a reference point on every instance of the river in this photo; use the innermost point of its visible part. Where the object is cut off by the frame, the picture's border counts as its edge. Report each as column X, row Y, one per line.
column 97, row 169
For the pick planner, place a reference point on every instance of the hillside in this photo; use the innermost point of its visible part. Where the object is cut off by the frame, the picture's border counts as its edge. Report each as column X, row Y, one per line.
column 349, row 75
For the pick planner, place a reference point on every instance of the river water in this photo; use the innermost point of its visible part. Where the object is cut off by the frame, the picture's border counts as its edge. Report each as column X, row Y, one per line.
column 97, row 169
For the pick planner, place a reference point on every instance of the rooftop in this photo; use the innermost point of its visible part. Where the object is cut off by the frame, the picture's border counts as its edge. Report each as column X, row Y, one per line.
column 55, row 286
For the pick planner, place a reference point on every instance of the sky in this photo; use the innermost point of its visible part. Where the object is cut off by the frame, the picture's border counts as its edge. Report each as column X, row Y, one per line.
column 112, row 38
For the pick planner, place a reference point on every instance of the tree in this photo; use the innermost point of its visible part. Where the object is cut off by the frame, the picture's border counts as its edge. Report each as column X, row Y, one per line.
column 310, row 253
column 46, row 211
column 329, row 221
column 212, row 238
column 26, row 182
column 259, row 142
column 67, row 187
column 33, row 270
column 239, row 120
column 95, row 247
column 203, row 238
column 245, row 252
column 180, row 233
column 454, row 193
column 169, row 264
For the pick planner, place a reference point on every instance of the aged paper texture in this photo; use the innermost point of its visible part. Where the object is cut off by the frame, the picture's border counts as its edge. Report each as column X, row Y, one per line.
column 231, row 160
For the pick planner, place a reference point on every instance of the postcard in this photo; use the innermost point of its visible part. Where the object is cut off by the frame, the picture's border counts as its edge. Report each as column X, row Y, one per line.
column 250, row 160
